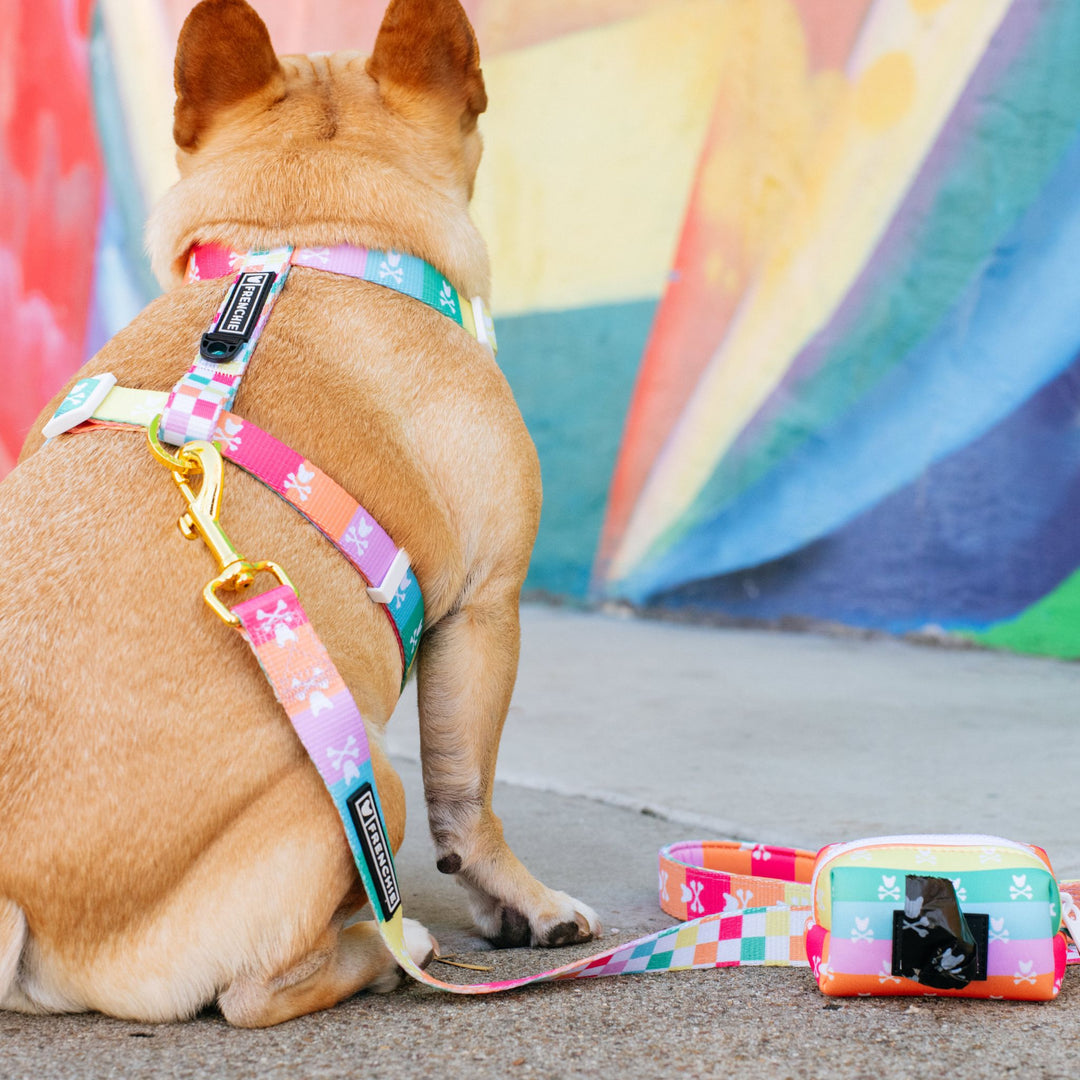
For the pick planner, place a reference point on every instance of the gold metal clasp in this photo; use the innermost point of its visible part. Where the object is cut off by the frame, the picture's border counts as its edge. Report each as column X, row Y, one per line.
column 201, row 519
column 225, row 580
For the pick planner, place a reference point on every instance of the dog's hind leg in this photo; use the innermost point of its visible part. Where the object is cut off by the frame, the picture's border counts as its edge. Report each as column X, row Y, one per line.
column 12, row 942
column 342, row 963
column 468, row 664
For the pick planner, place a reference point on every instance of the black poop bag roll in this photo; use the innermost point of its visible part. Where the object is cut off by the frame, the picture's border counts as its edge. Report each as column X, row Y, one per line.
column 932, row 942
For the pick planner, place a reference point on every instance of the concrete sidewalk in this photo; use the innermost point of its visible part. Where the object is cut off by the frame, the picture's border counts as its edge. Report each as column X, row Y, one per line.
column 792, row 739
column 625, row 735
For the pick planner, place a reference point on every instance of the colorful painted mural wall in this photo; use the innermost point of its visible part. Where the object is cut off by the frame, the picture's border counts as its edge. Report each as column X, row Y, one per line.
column 788, row 288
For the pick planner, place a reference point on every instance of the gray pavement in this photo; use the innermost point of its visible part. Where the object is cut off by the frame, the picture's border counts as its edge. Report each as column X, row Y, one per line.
column 625, row 735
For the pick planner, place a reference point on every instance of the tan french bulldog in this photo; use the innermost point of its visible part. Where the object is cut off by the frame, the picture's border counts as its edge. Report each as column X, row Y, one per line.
column 166, row 841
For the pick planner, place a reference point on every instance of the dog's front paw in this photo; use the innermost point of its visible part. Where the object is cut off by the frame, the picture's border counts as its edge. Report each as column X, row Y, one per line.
column 561, row 920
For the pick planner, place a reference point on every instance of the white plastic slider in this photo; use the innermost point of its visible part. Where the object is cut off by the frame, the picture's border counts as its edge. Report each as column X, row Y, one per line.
column 86, row 395
column 393, row 579
column 485, row 326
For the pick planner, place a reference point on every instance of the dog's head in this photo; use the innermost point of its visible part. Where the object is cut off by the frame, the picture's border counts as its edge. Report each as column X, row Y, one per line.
column 330, row 148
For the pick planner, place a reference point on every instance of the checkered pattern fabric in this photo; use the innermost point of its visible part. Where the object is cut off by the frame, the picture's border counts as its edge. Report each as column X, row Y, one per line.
column 194, row 407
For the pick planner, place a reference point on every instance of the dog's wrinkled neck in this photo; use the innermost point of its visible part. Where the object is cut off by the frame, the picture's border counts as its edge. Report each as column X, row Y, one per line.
column 249, row 205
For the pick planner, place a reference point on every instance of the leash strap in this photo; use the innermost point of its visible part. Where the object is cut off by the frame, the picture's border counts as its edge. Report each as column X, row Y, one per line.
column 193, row 409
column 697, row 877
column 329, row 725
column 393, row 269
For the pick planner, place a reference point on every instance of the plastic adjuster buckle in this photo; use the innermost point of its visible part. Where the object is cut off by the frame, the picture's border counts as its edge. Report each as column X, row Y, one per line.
column 485, row 326
column 395, row 575
column 81, row 404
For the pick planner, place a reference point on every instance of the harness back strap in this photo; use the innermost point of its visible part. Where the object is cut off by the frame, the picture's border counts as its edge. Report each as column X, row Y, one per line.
column 392, row 269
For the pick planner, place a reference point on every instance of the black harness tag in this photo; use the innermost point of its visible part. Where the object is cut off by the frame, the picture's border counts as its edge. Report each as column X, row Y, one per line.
column 239, row 316
column 376, row 849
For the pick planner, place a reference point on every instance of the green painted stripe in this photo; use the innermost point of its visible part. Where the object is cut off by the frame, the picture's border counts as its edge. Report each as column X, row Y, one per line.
column 1050, row 627
column 572, row 373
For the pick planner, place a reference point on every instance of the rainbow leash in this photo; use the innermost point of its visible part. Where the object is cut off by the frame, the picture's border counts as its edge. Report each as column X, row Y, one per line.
column 329, row 725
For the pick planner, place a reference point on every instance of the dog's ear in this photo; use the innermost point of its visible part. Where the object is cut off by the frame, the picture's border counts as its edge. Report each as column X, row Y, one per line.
column 223, row 56
column 426, row 52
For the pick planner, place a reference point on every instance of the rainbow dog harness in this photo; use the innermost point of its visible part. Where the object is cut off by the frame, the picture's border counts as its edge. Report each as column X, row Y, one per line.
column 197, row 408
column 851, row 912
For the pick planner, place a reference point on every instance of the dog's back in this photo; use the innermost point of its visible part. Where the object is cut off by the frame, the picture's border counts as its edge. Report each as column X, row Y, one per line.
column 164, row 831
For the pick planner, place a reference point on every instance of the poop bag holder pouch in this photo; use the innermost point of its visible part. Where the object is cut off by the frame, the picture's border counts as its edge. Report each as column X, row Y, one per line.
column 960, row 916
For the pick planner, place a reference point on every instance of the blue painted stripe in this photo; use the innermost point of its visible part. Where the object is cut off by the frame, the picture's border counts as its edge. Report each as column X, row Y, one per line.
column 1016, row 328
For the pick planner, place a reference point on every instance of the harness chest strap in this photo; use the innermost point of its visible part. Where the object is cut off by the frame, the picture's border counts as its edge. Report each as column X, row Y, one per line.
column 198, row 406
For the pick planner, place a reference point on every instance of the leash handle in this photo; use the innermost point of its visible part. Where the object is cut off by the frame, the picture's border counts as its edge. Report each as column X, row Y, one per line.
column 703, row 877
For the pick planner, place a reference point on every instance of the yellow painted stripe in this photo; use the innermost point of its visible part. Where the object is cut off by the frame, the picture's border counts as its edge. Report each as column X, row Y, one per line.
column 907, row 73
column 142, row 57
column 591, row 143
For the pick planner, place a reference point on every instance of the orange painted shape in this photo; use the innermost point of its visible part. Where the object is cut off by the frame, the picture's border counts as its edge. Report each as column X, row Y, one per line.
column 713, row 266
